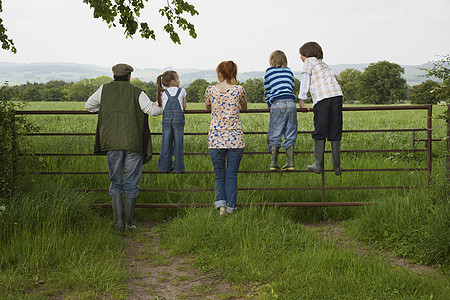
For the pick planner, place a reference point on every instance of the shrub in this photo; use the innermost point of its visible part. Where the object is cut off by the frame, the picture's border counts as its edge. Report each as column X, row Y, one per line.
column 12, row 127
column 427, row 92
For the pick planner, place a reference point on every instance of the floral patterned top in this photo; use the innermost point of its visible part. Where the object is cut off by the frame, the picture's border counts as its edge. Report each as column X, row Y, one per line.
column 225, row 130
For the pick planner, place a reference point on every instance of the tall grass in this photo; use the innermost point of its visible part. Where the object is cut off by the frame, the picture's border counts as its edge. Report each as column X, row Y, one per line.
column 53, row 239
column 415, row 225
column 289, row 261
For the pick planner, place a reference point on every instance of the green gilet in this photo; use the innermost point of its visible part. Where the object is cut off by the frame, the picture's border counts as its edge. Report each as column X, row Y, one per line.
column 122, row 125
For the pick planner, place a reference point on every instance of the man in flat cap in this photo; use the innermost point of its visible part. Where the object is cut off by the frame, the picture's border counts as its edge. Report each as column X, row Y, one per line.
column 124, row 136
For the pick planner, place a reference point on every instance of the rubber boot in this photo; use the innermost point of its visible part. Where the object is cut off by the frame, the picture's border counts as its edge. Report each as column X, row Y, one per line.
column 319, row 149
column 117, row 206
column 274, row 163
column 336, row 156
column 130, row 203
column 289, row 159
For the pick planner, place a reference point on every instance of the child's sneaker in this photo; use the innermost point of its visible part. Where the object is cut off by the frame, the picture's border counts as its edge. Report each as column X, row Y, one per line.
column 222, row 211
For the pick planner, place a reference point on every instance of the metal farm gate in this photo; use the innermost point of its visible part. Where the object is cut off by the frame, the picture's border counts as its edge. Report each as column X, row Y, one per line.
column 321, row 189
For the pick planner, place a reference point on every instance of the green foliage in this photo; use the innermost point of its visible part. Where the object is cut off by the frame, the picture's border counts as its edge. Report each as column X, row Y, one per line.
column 382, row 83
column 55, row 90
column 139, row 83
column 127, row 14
column 296, row 86
column 151, row 90
column 441, row 70
column 12, row 128
column 7, row 43
column 427, row 92
column 196, row 90
column 81, row 90
column 30, row 91
column 58, row 90
column 54, row 94
column 148, row 87
column 255, row 90
column 348, row 80
column 173, row 16
column 445, row 91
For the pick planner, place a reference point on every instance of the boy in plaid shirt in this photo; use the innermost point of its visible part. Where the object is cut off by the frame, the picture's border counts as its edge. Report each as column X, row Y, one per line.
column 327, row 103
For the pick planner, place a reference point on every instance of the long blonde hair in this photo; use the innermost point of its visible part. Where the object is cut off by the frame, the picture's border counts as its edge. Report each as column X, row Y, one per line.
column 164, row 80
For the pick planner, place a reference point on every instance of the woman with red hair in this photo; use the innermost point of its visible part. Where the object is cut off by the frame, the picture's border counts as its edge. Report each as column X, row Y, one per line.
column 225, row 138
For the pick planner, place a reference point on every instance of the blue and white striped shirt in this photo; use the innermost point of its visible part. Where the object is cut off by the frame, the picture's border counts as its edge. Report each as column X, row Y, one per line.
column 279, row 84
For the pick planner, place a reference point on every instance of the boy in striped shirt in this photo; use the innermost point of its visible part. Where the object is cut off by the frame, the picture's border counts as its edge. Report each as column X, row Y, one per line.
column 280, row 98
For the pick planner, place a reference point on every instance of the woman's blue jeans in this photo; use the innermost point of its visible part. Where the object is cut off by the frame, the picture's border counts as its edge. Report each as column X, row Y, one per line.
column 226, row 167
column 125, row 170
column 283, row 121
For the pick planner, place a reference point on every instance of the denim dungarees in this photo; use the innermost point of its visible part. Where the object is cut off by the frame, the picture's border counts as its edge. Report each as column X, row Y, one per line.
column 172, row 135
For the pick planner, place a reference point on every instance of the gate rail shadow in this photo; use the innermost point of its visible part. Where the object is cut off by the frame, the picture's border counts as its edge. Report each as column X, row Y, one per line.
column 322, row 188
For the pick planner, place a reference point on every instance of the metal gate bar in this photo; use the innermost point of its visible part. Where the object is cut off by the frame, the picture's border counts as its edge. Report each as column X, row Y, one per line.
column 322, row 188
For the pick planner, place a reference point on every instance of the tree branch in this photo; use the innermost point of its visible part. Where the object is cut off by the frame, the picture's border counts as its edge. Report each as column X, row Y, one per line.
column 126, row 13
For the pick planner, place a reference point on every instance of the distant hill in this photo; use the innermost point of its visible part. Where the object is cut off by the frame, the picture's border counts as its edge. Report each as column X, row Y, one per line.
column 16, row 73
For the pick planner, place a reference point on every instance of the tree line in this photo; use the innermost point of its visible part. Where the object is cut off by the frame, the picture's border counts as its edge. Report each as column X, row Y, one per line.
column 379, row 83
column 382, row 83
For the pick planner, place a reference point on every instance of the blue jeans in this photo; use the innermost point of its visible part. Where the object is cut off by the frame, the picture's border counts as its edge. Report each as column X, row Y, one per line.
column 125, row 170
column 226, row 167
column 283, row 121
column 172, row 145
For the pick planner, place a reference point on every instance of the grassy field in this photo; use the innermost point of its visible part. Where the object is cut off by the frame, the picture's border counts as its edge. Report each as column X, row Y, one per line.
column 53, row 241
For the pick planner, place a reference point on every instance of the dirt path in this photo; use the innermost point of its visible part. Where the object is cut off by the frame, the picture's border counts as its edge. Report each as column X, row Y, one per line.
column 335, row 231
column 154, row 274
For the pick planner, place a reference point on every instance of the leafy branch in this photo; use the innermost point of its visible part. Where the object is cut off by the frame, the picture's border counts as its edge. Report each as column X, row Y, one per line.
column 174, row 15
column 7, row 43
column 440, row 69
column 126, row 13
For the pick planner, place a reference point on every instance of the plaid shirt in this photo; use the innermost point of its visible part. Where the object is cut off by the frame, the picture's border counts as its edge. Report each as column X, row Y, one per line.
column 322, row 83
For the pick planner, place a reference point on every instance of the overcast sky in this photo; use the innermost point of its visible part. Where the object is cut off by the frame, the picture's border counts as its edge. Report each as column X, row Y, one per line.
column 407, row 32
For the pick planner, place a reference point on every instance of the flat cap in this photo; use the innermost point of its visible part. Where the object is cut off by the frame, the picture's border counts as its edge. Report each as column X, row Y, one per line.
column 122, row 69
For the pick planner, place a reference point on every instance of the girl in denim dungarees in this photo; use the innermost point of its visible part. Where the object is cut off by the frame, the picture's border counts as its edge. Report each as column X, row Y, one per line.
column 173, row 101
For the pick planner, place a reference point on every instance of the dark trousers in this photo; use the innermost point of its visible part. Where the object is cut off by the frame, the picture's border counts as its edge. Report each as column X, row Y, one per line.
column 328, row 119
